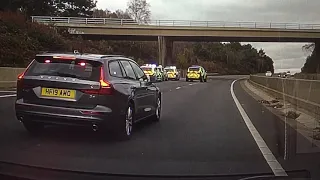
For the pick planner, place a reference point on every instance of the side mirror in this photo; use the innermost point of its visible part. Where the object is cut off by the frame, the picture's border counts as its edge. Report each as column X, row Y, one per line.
column 145, row 79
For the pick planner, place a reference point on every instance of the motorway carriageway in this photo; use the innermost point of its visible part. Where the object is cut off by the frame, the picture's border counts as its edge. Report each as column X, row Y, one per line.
column 203, row 130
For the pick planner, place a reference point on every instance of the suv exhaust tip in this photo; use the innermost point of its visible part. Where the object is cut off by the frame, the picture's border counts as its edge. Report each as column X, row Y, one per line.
column 94, row 127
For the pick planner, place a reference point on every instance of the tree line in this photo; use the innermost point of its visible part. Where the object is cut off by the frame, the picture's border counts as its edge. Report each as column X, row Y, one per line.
column 312, row 64
column 83, row 8
column 225, row 58
column 137, row 10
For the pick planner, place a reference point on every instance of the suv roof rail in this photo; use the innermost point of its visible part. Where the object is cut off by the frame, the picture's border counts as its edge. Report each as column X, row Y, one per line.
column 59, row 52
column 105, row 56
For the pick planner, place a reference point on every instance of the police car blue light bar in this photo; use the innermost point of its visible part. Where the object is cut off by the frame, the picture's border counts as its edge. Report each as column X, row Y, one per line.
column 150, row 65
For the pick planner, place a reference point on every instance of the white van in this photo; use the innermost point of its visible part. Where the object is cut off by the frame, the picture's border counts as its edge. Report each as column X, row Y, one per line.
column 269, row 73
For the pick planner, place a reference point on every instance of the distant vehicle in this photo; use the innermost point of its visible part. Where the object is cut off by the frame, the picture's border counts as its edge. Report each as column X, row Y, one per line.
column 104, row 92
column 284, row 75
column 196, row 73
column 269, row 73
column 172, row 72
column 153, row 72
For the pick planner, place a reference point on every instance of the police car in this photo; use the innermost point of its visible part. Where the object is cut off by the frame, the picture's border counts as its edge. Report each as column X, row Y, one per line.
column 196, row 73
column 152, row 72
column 172, row 72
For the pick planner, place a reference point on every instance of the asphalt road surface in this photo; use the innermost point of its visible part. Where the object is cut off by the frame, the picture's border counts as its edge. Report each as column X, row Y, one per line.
column 201, row 132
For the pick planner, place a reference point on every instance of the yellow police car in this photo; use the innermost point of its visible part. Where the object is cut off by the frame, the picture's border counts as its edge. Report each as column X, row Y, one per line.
column 196, row 73
column 152, row 72
column 172, row 72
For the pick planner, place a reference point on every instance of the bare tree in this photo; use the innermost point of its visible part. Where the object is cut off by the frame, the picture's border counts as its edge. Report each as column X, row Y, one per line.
column 139, row 11
column 100, row 13
column 308, row 47
column 122, row 15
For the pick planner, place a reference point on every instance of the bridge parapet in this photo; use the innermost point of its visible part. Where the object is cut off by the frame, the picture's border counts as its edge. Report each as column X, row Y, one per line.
column 175, row 23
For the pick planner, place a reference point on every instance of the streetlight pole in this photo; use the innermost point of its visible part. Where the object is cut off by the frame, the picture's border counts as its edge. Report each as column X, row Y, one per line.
column 159, row 49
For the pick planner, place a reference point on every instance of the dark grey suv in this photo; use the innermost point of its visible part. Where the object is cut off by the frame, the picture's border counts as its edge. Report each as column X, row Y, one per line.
column 102, row 91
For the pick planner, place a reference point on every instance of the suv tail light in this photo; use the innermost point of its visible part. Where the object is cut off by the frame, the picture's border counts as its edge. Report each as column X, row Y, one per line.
column 20, row 76
column 105, row 86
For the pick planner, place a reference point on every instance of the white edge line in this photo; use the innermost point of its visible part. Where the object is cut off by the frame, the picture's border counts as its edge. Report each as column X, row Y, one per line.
column 178, row 87
column 11, row 95
column 266, row 152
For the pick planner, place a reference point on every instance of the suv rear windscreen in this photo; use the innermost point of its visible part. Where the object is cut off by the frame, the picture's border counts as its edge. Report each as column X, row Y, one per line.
column 194, row 69
column 146, row 69
column 169, row 70
column 74, row 68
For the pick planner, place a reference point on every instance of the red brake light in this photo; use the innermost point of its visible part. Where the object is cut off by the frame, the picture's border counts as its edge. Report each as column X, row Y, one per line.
column 20, row 76
column 103, row 83
column 82, row 64
column 105, row 87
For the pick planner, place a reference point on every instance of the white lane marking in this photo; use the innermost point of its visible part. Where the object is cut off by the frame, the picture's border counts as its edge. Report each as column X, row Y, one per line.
column 7, row 91
column 190, row 84
column 11, row 95
column 178, row 87
column 266, row 152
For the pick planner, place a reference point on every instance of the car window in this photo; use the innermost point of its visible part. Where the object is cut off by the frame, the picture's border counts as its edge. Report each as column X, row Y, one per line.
column 75, row 68
column 128, row 69
column 138, row 70
column 194, row 69
column 115, row 69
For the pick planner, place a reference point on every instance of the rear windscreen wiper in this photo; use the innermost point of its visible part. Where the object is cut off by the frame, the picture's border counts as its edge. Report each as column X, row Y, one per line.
column 67, row 75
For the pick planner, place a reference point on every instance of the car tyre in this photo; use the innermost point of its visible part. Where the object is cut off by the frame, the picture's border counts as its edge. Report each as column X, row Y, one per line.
column 33, row 128
column 156, row 117
column 125, row 128
column 205, row 80
column 187, row 79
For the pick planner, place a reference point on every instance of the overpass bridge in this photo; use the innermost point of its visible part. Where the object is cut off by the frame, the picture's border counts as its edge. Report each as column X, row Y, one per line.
column 168, row 31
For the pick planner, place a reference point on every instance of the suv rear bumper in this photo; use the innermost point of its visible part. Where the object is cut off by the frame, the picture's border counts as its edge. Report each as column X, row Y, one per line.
column 193, row 78
column 64, row 116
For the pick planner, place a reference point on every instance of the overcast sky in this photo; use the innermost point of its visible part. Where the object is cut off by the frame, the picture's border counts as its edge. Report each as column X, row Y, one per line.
column 285, row 55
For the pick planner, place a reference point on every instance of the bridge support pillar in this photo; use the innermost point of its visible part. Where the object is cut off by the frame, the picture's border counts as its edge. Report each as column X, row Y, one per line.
column 165, row 50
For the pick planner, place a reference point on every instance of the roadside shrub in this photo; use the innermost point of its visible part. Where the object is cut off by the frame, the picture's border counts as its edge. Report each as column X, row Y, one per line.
column 292, row 115
column 21, row 39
